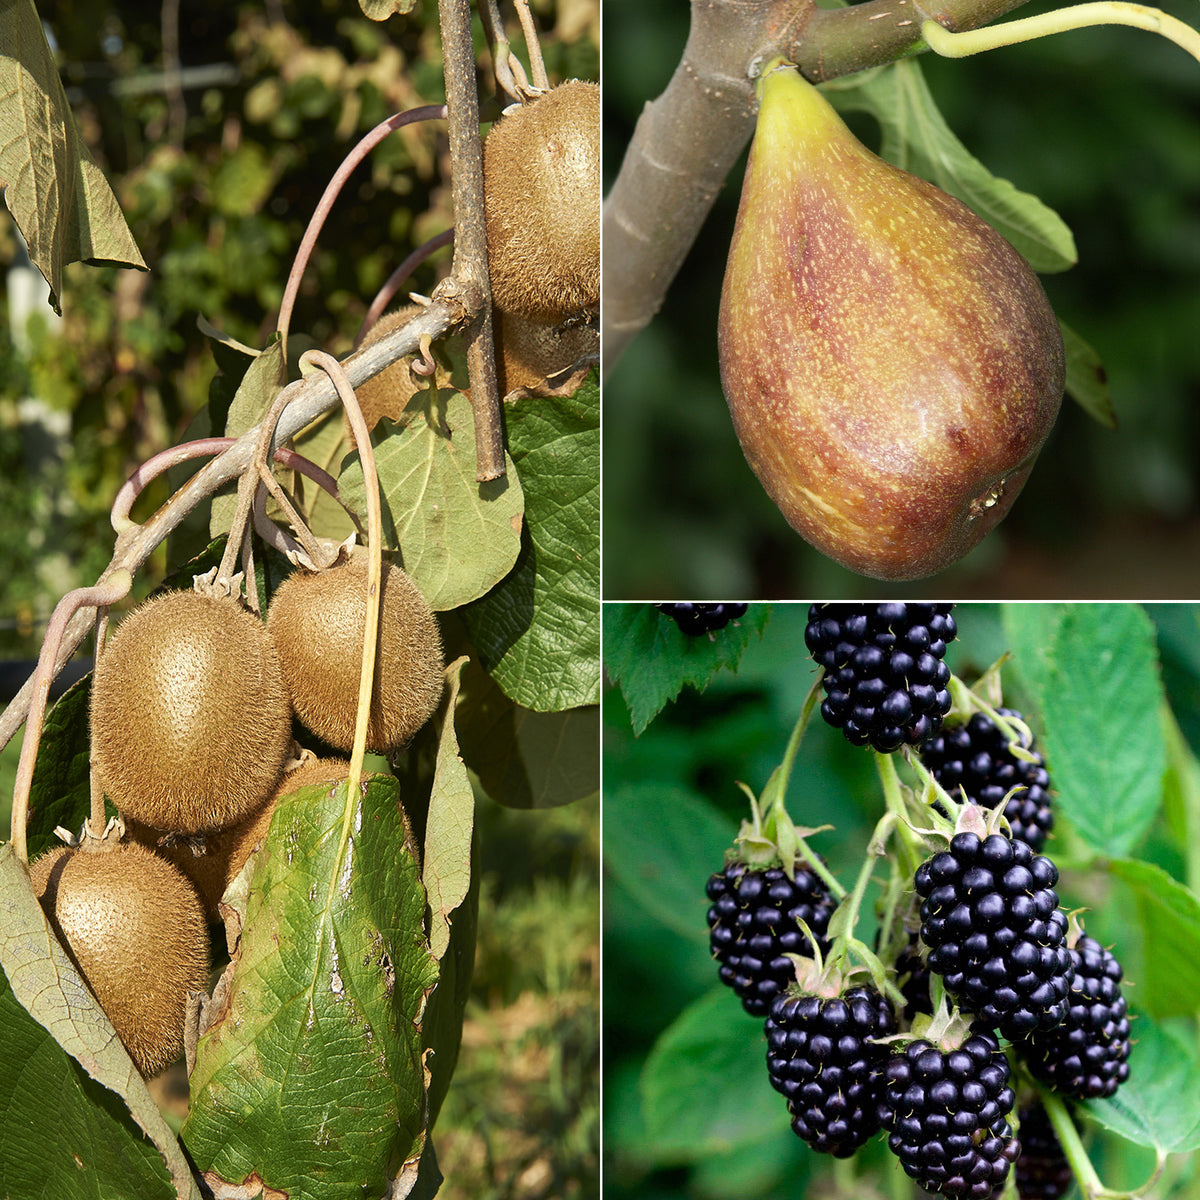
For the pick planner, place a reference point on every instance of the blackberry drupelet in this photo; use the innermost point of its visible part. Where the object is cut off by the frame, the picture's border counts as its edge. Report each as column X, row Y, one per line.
column 912, row 975
column 752, row 927
column 697, row 619
column 884, row 679
column 976, row 757
column 821, row 1059
column 1086, row 1056
column 995, row 933
column 945, row 1114
column 1043, row 1172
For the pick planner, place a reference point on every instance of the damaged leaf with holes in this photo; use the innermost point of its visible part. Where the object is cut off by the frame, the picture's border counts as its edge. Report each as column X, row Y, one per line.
column 310, row 1076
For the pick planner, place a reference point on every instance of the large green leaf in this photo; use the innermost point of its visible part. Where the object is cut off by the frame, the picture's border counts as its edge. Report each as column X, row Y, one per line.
column 538, row 632
column 57, row 195
column 917, row 139
column 106, row 1137
column 457, row 537
column 312, row 1075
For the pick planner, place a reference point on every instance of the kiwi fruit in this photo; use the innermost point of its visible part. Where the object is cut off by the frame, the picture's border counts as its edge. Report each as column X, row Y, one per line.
column 134, row 928
column 387, row 394
column 317, row 621
column 529, row 352
column 541, row 186
column 189, row 714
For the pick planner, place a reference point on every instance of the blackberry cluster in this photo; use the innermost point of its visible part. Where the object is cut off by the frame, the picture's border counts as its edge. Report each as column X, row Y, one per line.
column 1042, row 1170
column 697, row 619
column 945, row 1112
column 885, row 682
column 820, row 1058
column 752, row 925
column 991, row 919
column 1086, row 1056
column 976, row 758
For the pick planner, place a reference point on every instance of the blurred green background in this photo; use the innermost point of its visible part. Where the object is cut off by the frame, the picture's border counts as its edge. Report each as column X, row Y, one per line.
column 656, row 954
column 1101, row 125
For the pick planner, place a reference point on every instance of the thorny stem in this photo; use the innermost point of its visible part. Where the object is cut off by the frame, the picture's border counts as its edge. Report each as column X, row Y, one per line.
column 1079, row 16
column 537, row 66
column 332, row 190
column 108, row 590
column 392, row 284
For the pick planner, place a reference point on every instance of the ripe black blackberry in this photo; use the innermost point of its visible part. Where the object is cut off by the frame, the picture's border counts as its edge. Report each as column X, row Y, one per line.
column 1043, row 1172
column 821, row 1059
column 1086, row 1056
column 995, row 933
column 697, row 619
column 945, row 1114
column 885, row 682
column 975, row 757
column 752, row 925
column 912, row 977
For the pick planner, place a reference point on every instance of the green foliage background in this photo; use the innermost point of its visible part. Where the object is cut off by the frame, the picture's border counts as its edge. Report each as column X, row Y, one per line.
column 688, row 1109
column 1100, row 124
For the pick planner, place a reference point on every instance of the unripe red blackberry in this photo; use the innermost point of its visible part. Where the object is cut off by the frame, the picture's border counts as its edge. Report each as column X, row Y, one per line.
column 821, row 1058
column 1086, row 1055
column 1042, row 1170
column 885, row 682
column 945, row 1114
column 753, row 927
column 697, row 619
column 976, row 758
column 996, row 935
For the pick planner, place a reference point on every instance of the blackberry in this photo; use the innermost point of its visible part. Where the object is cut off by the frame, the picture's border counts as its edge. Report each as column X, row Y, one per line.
column 976, row 758
column 1043, row 1172
column 1086, row 1056
column 885, row 682
column 697, row 619
column 991, row 920
column 820, row 1057
column 752, row 927
column 912, row 975
column 945, row 1112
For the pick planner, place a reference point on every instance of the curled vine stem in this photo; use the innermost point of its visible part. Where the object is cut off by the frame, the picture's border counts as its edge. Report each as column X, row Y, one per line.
column 366, row 453
column 107, row 591
column 1078, row 16
column 392, row 284
column 333, row 189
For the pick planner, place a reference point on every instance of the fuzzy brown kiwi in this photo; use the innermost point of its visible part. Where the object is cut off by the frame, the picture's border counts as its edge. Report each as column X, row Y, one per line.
column 317, row 621
column 541, row 166
column 189, row 714
column 134, row 928
column 386, row 394
column 528, row 352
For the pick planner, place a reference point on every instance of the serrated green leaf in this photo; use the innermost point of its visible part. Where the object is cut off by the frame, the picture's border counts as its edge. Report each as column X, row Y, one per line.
column 1031, row 630
column 651, row 660
column 1159, row 1104
column 538, row 632
column 57, row 195
column 1170, row 918
column 457, row 537
column 58, row 1043
column 687, row 1118
column 663, row 843
column 1103, row 737
column 1087, row 381
column 312, row 1076
column 916, row 138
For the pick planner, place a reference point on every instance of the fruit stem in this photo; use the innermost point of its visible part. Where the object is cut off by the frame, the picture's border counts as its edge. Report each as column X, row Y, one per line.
column 1079, row 16
column 107, row 591
column 537, row 66
column 1068, row 1138
column 775, row 799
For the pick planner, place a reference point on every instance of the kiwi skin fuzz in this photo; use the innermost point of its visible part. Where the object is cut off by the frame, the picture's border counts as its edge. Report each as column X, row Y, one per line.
column 317, row 621
column 189, row 715
column 134, row 928
column 541, row 187
column 388, row 393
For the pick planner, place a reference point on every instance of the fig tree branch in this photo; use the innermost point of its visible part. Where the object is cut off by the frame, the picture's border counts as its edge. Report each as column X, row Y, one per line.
column 687, row 139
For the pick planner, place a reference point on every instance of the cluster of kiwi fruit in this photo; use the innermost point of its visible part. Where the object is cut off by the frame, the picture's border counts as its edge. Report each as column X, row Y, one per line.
column 191, row 738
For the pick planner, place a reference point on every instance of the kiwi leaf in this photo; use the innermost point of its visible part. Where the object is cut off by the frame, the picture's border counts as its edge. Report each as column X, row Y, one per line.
column 457, row 537
column 93, row 1146
column 538, row 632
column 317, row 1057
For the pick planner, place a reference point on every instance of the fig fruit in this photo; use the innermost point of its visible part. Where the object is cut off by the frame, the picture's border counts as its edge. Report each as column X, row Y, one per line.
column 189, row 716
column 134, row 928
column 891, row 363
column 541, row 185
